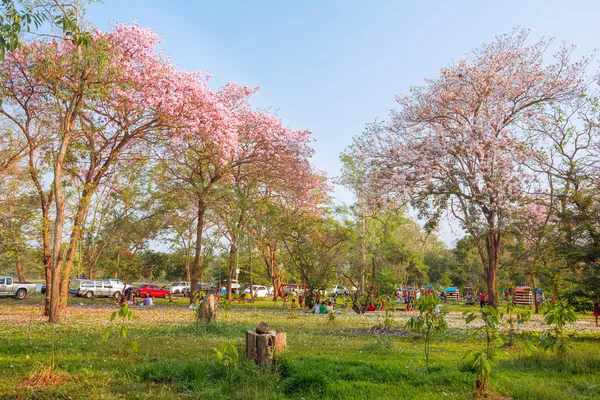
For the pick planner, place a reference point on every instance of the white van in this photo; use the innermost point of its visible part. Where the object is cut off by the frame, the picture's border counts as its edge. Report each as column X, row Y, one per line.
column 88, row 288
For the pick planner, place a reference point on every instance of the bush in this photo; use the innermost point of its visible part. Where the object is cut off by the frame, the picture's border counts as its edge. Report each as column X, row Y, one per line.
column 580, row 301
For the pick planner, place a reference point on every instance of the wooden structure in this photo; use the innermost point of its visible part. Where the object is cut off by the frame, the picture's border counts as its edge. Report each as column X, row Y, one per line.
column 263, row 344
column 523, row 295
column 452, row 293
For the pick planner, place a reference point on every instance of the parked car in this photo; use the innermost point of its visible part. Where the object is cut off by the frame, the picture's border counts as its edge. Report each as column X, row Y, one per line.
column 118, row 284
column 10, row 288
column 340, row 291
column 153, row 290
column 258, row 291
column 236, row 288
column 206, row 288
column 179, row 287
column 289, row 288
column 90, row 288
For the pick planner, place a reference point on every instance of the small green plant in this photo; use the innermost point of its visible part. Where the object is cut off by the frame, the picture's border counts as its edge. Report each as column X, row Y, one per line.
column 431, row 319
column 331, row 316
column 125, row 314
column 519, row 318
column 389, row 320
column 558, row 315
column 483, row 361
column 228, row 356
column 227, row 307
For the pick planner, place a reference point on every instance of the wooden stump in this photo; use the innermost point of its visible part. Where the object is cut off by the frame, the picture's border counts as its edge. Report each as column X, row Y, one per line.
column 208, row 308
column 251, row 345
column 262, row 347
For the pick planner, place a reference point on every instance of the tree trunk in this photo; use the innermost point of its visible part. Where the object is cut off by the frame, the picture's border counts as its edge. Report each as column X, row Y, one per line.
column 72, row 249
column 90, row 274
column 118, row 263
column 57, row 262
column 208, row 308
column 187, row 265
column 19, row 266
column 231, row 265
column 493, row 258
column 250, row 270
column 45, row 203
column 268, row 253
column 535, row 296
column 196, row 266
column 363, row 252
column 47, row 254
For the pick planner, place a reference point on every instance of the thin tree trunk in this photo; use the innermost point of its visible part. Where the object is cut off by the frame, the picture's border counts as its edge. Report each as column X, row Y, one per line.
column 535, row 296
column 45, row 203
column 363, row 251
column 72, row 249
column 197, row 256
column 232, row 265
column 57, row 263
column 187, row 265
column 47, row 254
column 18, row 265
column 493, row 258
column 118, row 262
column 250, row 269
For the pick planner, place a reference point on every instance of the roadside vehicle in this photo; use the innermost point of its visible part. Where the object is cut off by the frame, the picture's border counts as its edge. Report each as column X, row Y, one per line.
column 340, row 291
column 235, row 287
column 179, row 287
column 90, row 288
column 117, row 284
column 206, row 288
column 153, row 290
column 258, row 291
column 288, row 288
column 10, row 288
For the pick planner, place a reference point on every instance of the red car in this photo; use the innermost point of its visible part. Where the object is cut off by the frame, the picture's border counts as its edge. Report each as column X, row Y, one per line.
column 154, row 290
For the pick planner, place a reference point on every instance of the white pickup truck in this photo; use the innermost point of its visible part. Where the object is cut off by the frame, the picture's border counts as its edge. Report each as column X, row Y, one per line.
column 10, row 288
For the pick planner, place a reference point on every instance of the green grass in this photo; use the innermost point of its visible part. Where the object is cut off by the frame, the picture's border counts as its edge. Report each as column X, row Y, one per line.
column 323, row 360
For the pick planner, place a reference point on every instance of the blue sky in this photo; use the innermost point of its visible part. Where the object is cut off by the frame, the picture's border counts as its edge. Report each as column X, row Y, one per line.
column 332, row 66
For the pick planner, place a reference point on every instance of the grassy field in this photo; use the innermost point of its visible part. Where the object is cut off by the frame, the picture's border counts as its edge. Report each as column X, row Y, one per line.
column 324, row 360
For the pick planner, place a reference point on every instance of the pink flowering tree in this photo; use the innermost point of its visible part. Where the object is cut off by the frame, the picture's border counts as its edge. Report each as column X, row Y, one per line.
column 195, row 159
column 456, row 145
column 107, row 102
column 271, row 163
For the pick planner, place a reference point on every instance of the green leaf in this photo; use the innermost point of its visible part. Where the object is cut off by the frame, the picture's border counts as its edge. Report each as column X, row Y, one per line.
column 470, row 318
column 134, row 345
column 467, row 354
column 123, row 332
column 105, row 335
column 113, row 315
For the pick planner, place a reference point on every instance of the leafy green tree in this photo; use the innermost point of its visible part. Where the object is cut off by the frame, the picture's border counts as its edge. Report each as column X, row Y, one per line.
column 314, row 247
column 27, row 16
column 558, row 314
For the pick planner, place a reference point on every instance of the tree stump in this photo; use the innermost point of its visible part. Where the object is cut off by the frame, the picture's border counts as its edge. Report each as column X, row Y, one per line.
column 262, row 347
column 208, row 308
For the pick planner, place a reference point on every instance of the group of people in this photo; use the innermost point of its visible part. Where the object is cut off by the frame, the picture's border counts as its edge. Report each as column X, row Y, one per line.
column 408, row 297
column 129, row 298
column 322, row 307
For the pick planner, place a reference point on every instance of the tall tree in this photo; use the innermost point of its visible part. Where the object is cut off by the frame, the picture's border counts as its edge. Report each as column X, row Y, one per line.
column 456, row 144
